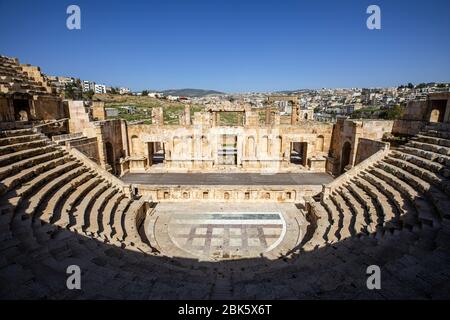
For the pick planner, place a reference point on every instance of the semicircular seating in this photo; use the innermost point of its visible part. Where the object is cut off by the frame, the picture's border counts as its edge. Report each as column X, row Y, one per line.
column 55, row 212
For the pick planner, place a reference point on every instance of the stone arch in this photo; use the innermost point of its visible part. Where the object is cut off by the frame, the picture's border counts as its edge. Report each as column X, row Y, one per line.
column 22, row 109
column 437, row 110
column 436, row 115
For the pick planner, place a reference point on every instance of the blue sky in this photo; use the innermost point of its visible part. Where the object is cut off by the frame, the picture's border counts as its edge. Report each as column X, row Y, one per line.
column 232, row 45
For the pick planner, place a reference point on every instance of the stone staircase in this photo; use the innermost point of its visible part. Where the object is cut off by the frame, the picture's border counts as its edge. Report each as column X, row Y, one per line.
column 52, row 207
column 15, row 77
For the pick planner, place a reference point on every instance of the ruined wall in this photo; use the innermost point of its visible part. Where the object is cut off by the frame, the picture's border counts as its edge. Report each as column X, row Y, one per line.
column 79, row 118
column 408, row 127
column 367, row 148
column 257, row 147
column 98, row 110
column 111, row 147
column 6, row 109
column 416, row 111
column 49, row 108
column 89, row 147
column 347, row 133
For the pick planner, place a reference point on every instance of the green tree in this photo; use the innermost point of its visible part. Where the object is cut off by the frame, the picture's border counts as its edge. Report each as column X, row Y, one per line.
column 72, row 92
column 88, row 95
column 145, row 93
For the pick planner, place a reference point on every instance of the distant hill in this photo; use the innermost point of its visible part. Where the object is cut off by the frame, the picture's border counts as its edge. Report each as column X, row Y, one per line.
column 191, row 92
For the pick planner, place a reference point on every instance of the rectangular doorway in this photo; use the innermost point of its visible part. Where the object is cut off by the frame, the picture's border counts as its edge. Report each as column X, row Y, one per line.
column 299, row 153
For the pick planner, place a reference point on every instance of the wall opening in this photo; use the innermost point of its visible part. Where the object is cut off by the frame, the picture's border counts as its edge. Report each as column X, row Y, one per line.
column 345, row 155
column 110, row 156
column 227, row 151
column 438, row 110
column 156, row 153
column 22, row 109
column 319, row 144
column 134, row 145
column 299, row 153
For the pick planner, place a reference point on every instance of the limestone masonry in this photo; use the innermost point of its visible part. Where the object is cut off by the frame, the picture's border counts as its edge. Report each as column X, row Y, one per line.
column 275, row 206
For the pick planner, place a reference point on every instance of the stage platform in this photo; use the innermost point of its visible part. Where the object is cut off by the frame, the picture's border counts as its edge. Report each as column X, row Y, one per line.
column 227, row 179
column 227, row 187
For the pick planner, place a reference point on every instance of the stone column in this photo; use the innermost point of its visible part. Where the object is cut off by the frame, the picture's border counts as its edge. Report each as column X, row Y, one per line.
column 187, row 115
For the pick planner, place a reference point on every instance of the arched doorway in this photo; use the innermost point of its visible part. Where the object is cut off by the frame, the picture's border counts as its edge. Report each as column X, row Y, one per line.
column 437, row 112
column 345, row 155
column 21, row 109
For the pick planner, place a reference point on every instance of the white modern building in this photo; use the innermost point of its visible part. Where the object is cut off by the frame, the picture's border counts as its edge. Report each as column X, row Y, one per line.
column 88, row 85
column 99, row 88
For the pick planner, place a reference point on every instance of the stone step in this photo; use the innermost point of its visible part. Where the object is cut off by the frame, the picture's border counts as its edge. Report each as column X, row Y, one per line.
column 12, row 148
column 19, row 132
column 431, row 177
column 15, row 168
column 439, row 126
column 422, row 162
column 131, row 229
column 108, row 214
column 37, row 199
column 49, row 213
column 30, row 187
column 371, row 215
column 429, row 147
column 319, row 237
column 436, row 134
column 68, row 205
column 432, row 140
column 20, row 139
column 404, row 207
column 26, row 175
column 356, row 208
column 91, row 218
column 438, row 198
column 15, row 157
column 119, row 219
column 333, row 219
column 386, row 208
column 83, row 209
column 345, row 216
column 425, row 210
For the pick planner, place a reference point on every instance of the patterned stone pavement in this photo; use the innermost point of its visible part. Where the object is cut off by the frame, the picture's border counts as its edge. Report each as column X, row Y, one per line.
column 225, row 231
column 228, row 234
